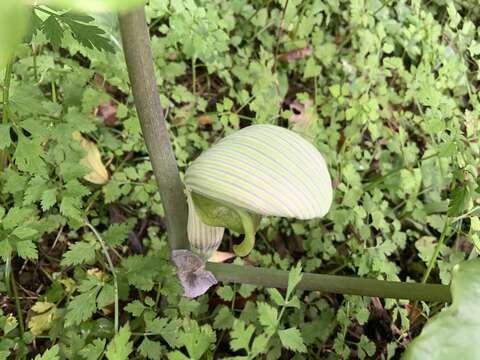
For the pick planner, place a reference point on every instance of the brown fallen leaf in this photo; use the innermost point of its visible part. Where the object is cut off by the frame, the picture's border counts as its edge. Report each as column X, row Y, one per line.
column 205, row 119
column 92, row 160
column 296, row 54
column 108, row 112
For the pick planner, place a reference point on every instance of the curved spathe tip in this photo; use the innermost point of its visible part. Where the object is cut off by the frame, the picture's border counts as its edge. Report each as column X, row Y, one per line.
column 267, row 170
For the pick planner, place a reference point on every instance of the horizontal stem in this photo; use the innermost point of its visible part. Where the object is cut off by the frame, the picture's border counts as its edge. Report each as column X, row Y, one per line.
column 331, row 283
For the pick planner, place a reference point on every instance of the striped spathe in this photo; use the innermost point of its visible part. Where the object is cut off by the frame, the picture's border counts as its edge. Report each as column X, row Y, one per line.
column 204, row 239
column 265, row 169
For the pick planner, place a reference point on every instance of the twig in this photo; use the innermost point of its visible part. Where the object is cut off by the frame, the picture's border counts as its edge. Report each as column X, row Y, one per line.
column 433, row 260
column 112, row 270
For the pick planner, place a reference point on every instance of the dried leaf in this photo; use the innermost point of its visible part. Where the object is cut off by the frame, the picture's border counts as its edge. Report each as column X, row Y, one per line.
column 296, row 54
column 108, row 112
column 206, row 119
column 93, row 161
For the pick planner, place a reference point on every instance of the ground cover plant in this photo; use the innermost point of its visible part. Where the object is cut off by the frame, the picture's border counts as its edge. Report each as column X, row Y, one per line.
column 386, row 91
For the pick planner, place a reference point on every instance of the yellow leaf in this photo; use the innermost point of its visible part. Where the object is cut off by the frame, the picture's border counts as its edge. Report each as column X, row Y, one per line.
column 93, row 161
column 42, row 306
column 44, row 321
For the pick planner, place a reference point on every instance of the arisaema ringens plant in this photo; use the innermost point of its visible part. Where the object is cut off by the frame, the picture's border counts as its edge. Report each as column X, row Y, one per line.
column 261, row 170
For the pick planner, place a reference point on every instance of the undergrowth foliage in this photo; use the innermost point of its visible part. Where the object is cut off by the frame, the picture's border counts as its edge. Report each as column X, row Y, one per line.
column 387, row 91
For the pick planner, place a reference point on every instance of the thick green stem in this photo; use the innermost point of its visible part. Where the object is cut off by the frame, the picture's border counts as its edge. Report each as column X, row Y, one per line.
column 331, row 283
column 138, row 55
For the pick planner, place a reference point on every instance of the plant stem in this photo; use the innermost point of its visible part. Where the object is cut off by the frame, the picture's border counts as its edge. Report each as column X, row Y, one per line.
column 18, row 306
column 5, row 107
column 433, row 260
column 138, row 56
column 331, row 283
column 112, row 270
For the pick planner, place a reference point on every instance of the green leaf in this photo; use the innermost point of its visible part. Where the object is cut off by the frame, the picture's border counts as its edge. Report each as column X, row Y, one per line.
column 79, row 253
column 90, row 36
column 459, row 199
column 94, row 350
column 24, row 232
column 267, row 315
column 50, row 354
column 135, row 308
column 292, row 339
column 294, row 277
column 49, row 198
column 224, row 319
column 5, row 139
column 53, row 31
column 120, row 348
column 454, row 333
column 226, row 293
column 82, row 307
column 150, row 349
column 196, row 339
column 17, row 216
column 70, row 207
column 116, row 234
column 240, row 335
column 26, row 249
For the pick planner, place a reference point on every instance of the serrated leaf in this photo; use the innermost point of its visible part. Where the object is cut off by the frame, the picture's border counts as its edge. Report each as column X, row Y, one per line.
column 50, row 354
column 224, row 319
column 93, row 161
column 267, row 315
column 88, row 35
column 17, row 216
column 70, row 207
column 120, row 348
column 226, row 293
column 276, row 296
column 116, row 234
column 26, row 249
column 292, row 339
column 53, row 31
column 49, row 198
column 150, row 349
column 459, row 199
column 294, row 278
column 24, row 232
column 240, row 335
column 82, row 307
column 135, row 308
column 454, row 333
column 79, row 253
column 94, row 350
